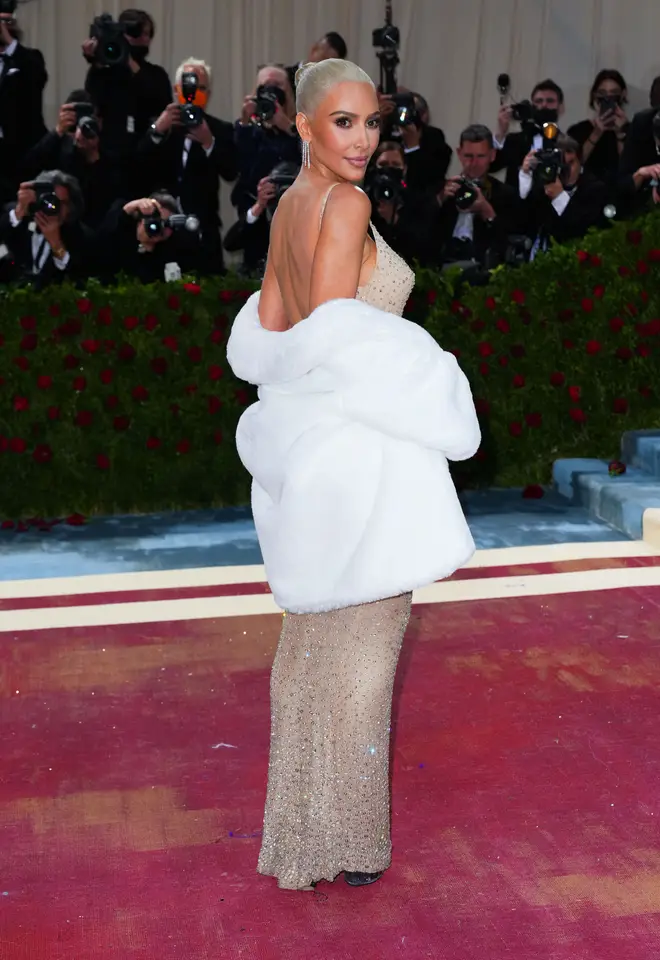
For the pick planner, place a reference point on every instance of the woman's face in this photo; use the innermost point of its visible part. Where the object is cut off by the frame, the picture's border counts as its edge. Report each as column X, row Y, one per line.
column 345, row 130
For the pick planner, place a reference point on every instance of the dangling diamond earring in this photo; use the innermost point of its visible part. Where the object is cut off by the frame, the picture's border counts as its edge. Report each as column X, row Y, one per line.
column 305, row 154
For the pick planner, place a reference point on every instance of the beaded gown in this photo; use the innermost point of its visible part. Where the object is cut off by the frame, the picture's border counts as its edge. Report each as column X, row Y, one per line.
column 328, row 798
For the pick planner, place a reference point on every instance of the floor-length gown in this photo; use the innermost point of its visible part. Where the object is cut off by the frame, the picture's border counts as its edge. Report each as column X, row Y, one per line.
column 328, row 800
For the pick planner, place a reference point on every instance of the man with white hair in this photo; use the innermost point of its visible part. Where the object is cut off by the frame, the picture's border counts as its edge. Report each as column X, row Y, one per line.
column 186, row 151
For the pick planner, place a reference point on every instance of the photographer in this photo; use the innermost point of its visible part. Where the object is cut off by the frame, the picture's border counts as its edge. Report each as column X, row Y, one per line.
column 137, row 238
column 405, row 218
column 547, row 106
column 330, row 46
column 477, row 211
column 265, row 135
column 603, row 137
column 428, row 155
column 565, row 207
column 186, row 152
column 639, row 171
column 131, row 92
column 42, row 230
column 23, row 77
column 75, row 147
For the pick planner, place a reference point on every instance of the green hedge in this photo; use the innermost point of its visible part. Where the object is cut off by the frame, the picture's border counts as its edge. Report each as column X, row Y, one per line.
column 121, row 399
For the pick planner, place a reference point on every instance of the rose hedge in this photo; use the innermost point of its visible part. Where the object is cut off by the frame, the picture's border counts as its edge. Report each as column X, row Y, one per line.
column 121, row 399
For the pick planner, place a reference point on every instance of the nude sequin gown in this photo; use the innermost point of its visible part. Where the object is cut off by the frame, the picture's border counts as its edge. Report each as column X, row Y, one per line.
column 328, row 799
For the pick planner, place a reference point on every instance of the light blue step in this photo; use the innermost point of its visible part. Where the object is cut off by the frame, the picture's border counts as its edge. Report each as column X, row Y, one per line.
column 641, row 449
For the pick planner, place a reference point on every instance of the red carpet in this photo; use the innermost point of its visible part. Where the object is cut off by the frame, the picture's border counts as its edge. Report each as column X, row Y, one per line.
column 526, row 791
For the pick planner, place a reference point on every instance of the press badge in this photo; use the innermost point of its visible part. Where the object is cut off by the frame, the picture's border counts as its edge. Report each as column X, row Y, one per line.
column 130, row 124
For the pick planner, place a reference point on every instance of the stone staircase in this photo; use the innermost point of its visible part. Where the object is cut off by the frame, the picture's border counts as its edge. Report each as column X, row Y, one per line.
column 631, row 502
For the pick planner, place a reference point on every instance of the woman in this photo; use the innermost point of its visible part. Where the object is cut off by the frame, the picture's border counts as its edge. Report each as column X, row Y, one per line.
column 351, row 495
column 603, row 137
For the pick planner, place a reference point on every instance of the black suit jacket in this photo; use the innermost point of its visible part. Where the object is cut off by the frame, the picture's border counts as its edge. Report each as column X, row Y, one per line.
column 21, row 113
column 19, row 241
column 506, row 204
column 584, row 210
column 511, row 156
column 427, row 166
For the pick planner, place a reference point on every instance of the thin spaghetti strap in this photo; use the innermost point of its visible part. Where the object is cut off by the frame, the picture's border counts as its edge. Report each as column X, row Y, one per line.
column 324, row 201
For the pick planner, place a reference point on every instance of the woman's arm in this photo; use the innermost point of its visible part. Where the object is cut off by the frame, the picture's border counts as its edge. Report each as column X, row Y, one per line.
column 340, row 248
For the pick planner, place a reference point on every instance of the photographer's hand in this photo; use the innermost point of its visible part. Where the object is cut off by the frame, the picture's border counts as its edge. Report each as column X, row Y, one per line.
column 49, row 228
column 66, row 121
column 26, row 196
column 247, row 111
column 450, row 189
column 503, row 122
column 529, row 163
column 482, row 207
column 144, row 205
column 281, row 122
column 89, row 49
column 170, row 117
column 646, row 173
column 386, row 105
column 265, row 192
column 553, row 190
column 202, row 135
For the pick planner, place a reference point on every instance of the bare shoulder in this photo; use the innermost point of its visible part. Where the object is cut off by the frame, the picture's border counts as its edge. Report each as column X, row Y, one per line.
column 348, row 200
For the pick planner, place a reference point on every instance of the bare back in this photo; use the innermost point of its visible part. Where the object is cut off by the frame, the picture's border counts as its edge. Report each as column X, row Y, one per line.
column 319, row 250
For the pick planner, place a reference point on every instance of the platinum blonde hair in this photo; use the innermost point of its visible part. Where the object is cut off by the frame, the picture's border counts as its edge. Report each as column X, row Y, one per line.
column 314, row 80
column 192, row 62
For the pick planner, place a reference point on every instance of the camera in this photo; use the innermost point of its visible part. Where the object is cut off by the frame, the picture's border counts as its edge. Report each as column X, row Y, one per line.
column 8, row 7
column 267, row 99
column 385, row 184
column 155, row 224
column 549, row 159
column 467, row 193
column 281, row 176
column 386, row 40
column 608, row 104
column 191, row 115
column 405, row 110
column 47, row 201
column 112, row 48
column 86, row 122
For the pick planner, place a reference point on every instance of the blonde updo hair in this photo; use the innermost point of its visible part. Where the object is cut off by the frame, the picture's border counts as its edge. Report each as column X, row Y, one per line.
column 314, row 80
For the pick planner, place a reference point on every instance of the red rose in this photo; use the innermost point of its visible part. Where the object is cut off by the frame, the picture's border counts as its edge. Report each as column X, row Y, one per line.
column 577, row 414
column 596, row 261
column 456, row 307
column 80, row 384
column 624, row 272
column 484, row 369
column 112, row 401
column 54, row 310
column 44, row 382
column 126, row 352
column 557, row 379
column 533, row 492
column 21, row 403
column 109, row 345
column 104, row 316
column 71, row 362
column 643, row 350
column 84, row 305
column 632, row 309
column 485, row 349
column 594, row 346
column 503, row 361
column 616, row 324
column 533, row 419
column 42, row 453
column 153, row 443
column 84, row 418
column 140, row 393
column 515, row 428
column 634, row 237
column 103, row 461
column 491, row 303
column 518, row 351
column 644, row 296
column 215, row 372
column 193, row 288
column 185, row 319
column 151, row 321
column 565, row 315
column 654, row 327
column 217, row 437
column 518, row 381
column 624, row 353
column 587, row 304
column 477, row 326
column 431, row 297
column 76, row 520
column 215, row 403
column 503, row 326
column 22, row 363
column 518, row 296
column 191, row 388
column 29, row 341
column 646, row 392
column 654, row 255
column 242, row 397
column 183, row 446
column 642, row 267
column 482, row 407
column 159, row 365
column 53, row 413
column 575, row 393
column 173, row 302
column 582, row 256
column 195, row 354
column 620, row 405
column 226, row 296
column 171, row 343
column 17, row 445
column 91, row 346
column 217, row 336
column 567, row 344
column 121, row 423
column 599, row 291
column 28, row 323
column 106, row 376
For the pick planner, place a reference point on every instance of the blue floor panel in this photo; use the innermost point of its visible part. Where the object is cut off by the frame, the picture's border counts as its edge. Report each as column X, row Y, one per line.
column 175, row 541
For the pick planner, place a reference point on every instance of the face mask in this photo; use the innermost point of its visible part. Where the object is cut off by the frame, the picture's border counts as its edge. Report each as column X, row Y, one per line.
column 395, row 173
column 139, row 54
column 546, row 115
column 200, row 100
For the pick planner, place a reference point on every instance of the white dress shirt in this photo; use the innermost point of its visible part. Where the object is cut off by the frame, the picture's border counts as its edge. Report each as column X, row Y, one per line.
column 40, row 247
